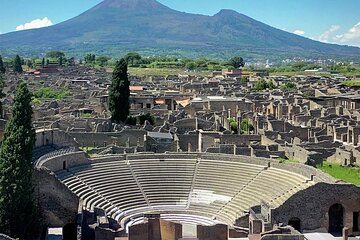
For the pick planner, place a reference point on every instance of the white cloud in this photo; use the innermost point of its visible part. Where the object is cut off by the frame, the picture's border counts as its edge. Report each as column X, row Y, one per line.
column 328, row 34
column 37, row 23
column 352, row 36
column 299, row 32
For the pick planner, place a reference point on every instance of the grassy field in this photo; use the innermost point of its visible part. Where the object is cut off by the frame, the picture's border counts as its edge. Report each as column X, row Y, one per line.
column 347, row 174
column 164, row 72
column 290, row 74
column 300, row 73
column 352, row 83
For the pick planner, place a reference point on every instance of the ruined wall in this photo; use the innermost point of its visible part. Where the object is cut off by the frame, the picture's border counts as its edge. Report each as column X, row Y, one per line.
column 296, row 153
column 283, row 237
column 156, row 229
column 54, row 137
column 153, row 146
column 240, row 139
column 58, row 205
column 185, row 139
column 170, row 230
column 123, row 138
column 138, row 232
column 217, row 232
column 189, row 124
column 246, row 151
column 104, row 234
column 312, row 206
column 67, row 160
column 342, row 157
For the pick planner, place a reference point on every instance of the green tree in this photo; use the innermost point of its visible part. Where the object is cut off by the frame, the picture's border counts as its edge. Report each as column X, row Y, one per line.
column 43, row 62
column 17, row 64
column 246, row 126
column 55, row 54
column 270, row 84
column 244, row 80
column 147, row 117
column 289, row 86
column 102, row 60
column 131, row 121
column 2, row 67
column 119, row 92
column 133, row 58
column 262, row 84
column 237, row 62
column 90, row 58
column 61, row 61
column 18, row 216
column 29, row 63
column 233, row 125
column 190, row 65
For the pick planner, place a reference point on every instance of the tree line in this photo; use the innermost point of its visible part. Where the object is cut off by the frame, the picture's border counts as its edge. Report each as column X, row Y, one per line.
column 133, row 59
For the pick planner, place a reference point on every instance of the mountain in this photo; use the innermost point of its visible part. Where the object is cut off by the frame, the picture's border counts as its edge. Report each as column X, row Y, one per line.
column 117, row 26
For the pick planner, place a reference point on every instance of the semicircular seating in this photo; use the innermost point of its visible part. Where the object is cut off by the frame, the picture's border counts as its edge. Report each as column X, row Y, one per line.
column 182, row 187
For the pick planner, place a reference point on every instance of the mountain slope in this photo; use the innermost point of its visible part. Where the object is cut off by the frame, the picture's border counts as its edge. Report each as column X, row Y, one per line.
column 116, row 26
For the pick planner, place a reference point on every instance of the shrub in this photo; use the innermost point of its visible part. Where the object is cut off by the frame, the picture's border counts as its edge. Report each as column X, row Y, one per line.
column 47, row 92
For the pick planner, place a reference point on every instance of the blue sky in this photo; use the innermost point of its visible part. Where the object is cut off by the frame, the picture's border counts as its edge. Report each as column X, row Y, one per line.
column 325, row 20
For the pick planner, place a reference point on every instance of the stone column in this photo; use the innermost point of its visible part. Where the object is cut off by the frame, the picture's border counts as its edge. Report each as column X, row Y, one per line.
column 345, row 233
column 200, row 141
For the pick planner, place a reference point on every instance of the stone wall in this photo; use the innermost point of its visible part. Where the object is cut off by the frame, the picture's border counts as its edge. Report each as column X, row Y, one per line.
column 170, row 230
column 138, row 232
column 312, row 206
column 104, row 234
column 342, row 157
column 188, row 140
column 128, row 138
column 54, row 137
column 191, row 124
column 297, row 153
column 152, row 145
column 283, row 237
column 240, row 139
column 217, row 232
column 58, row 205
column 65, row 161
column 156, row 229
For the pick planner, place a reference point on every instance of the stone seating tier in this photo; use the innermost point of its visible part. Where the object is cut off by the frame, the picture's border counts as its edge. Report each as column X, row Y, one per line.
column 189, row 190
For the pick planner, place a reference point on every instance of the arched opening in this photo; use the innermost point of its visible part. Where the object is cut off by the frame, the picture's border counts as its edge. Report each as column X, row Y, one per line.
column 295, row 223
column 70, row 231
column 336, row 218
column 64, row 165
column 356, row 218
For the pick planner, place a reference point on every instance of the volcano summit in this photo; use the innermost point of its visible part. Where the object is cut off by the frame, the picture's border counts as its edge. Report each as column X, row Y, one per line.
column 118, row 26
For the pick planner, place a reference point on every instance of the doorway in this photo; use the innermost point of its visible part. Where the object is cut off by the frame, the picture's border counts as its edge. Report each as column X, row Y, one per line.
column 70, row 232
column 336, row 218
column 295, row 223
column 356, row 221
